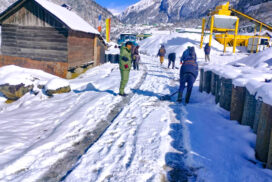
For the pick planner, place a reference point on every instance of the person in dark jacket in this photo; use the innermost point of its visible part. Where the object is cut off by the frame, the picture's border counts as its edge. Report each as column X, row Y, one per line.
column 207, row 50
column 136, row 57
column 161, row 53
column 188, row 73
column 171, row 59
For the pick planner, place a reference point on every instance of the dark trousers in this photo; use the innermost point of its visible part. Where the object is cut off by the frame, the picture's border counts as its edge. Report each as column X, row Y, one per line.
column 136, row 62
column 188, row 78
column 207, row 57
column 173, row 63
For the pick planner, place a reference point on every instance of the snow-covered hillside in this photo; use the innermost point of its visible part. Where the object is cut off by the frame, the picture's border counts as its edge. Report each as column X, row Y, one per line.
column 158, row 11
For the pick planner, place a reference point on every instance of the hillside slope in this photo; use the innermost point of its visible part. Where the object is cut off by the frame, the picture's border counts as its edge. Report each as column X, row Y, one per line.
column 165, row 11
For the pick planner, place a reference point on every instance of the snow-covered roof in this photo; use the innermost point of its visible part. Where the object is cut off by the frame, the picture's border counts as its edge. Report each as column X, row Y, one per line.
column 71, row 19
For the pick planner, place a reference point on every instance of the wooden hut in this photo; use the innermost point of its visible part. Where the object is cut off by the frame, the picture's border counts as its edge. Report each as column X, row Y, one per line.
column 42, row 35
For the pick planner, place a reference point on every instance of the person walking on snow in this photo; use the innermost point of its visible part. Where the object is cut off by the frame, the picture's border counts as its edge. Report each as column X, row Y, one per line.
column 171, row 59
column 207, row 50
column 136, row 57
column 125, row 62
column 161, row 53
column 188, row 73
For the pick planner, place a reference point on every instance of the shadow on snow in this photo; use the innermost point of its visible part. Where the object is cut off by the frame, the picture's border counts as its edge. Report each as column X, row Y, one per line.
column 91, row 87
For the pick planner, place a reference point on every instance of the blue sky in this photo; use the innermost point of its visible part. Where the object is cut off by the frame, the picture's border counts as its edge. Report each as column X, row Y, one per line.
column 116, row 6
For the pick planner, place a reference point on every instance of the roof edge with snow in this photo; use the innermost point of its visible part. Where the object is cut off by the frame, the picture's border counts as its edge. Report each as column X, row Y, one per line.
column 67, row 17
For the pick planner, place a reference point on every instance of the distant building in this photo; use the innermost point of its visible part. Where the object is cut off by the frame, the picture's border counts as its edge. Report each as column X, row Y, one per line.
column 42, row 35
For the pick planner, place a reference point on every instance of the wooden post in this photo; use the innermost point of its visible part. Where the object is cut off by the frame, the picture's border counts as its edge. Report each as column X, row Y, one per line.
column 203, row 32
column 257, row 47
column 269, row 161
column 264, row 133
column 95, row 51
column 211, row 31
column 225, row 42
column 253, row 41
column 235, row 35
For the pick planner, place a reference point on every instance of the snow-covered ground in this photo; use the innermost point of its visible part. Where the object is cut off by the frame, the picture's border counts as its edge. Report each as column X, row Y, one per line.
column 178, row 42
column 149, row 140
column 36, row 131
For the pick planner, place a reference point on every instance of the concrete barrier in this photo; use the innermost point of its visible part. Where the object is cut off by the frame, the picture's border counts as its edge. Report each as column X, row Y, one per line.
column 217, row 89
column 213, row 83
column 201, row 82
column 269, row 160
column 264, row 133
column 225, row 93
column 207, row 81
column 249, row 110
column 237, row 103
column 259, row 104
column 113, row 58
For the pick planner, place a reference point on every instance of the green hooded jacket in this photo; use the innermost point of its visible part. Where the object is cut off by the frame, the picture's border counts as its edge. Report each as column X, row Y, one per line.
column 125, row 59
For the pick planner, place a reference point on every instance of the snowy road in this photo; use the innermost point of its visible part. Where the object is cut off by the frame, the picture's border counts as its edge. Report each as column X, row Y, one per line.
column 134, row 146
column 37, row 132
column 149, row 140
column 153, row 140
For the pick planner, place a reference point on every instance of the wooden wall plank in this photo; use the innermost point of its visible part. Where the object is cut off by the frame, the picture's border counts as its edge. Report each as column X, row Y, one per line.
column 80, row 48
column 32, row 14
column 46, row 44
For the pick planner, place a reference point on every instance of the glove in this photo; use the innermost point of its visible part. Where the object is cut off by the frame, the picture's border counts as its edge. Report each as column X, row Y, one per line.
column 126, row 66
column 125, row 58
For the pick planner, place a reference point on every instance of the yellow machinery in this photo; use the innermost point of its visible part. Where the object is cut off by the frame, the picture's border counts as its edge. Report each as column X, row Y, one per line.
column 221, row 20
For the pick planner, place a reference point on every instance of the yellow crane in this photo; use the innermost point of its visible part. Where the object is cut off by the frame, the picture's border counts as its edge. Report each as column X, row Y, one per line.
column 221, row 20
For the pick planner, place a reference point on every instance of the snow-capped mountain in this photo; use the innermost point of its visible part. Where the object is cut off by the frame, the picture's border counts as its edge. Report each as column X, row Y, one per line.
column 162, row 11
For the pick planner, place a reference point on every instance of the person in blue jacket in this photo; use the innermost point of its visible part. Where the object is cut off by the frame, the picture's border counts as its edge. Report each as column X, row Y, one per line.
column 207, row 50
column 171, row 59
column 188, row 73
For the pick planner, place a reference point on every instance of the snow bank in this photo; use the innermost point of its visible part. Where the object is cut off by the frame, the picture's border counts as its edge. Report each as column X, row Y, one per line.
column 56, row 83
column 178, row 42
column 173, row 43
column 16, row 79
column 265, row 92
column 14, row 75
column 252, row 86
column 250, row 72
column 261, row 60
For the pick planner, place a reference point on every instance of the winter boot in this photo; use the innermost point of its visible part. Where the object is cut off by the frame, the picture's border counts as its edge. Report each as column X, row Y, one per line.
column 179, row 97
column 188, row 95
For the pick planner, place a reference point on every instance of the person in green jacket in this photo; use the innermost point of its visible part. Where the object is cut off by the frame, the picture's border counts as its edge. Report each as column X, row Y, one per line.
column 125, row 62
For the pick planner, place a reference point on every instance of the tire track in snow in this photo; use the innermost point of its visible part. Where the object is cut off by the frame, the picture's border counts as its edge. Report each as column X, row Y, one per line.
column 179, row 159
column 64, row 166
column 126, row 152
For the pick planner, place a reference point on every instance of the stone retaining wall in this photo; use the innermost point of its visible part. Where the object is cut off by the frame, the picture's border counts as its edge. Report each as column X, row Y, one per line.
column 245, row 108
